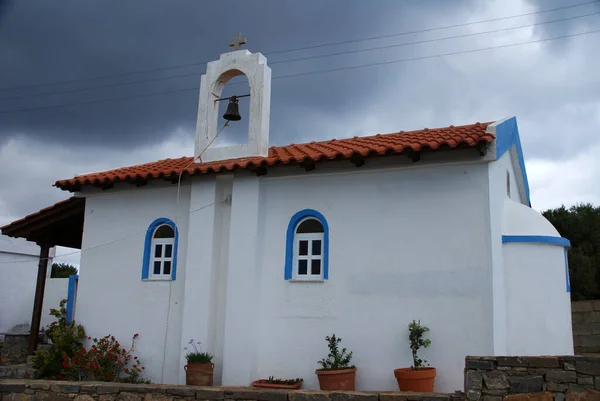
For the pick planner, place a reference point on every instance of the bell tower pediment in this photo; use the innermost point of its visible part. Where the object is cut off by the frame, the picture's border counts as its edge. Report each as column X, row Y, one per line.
column 218, row 73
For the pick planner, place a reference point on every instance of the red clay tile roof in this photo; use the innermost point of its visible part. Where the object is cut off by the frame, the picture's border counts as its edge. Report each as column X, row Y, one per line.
column 378, row 145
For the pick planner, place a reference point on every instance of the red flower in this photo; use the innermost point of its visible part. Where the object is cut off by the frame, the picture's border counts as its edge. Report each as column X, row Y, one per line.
column 89, row 338
column 136, row 335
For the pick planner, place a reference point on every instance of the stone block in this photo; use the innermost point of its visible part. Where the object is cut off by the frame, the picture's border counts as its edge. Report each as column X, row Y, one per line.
column 56, row 397
column 582, row 306
column 596, row 305
column 39, row 385
column 436, row 397
column 597, row 383
column 127, row 396
column 495, row 380
column 473, row 380
column 84, row 397
column 240, row 394
column 273, row 395
column 592, row 340
column 351, row 396
column 180, row 392
column 545, row 396
column 492, row 398
column 529, row 361
column 586, row 380
column 582, row 329
column 576, row 318
column 387, row 396
column 561, row 376
column 591, row 317
column 473, row 395
column 65, row 388
column 17, row 397
column 569, row 365
column 589, row 366
column 559, row 397
column 486, row 391
column 557, row 387
column 314, row 396
column 158, row 397
column 107, row 397
column 589, row 395
column 209, row 393
column 479, row 364
column 12, row 386
column 526, row 384
column 107, row 389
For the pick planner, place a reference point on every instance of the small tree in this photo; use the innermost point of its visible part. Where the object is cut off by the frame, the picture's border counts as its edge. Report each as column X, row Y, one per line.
column 62, row 270
column 336, row 359
column 417, row 341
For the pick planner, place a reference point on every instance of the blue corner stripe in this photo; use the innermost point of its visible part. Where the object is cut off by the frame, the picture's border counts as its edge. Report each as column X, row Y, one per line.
column 540, row 239
column 148, row 246
column 71, row 296
column 567, row 271
column 507, row 135
column 289, row 245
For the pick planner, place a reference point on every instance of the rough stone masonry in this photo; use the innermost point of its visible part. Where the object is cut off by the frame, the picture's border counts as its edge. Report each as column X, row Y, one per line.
column 544, row 378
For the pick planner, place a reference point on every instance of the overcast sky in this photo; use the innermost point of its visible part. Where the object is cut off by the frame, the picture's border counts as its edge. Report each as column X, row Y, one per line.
column 552, row 87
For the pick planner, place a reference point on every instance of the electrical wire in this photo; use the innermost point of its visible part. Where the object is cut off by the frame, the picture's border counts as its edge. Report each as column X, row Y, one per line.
column 310, row 72
column 307, row 57
column 305, row 47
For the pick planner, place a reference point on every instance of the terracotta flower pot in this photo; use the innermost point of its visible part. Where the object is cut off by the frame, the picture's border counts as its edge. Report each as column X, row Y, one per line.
column 421, row 380
column 265, row 384
column 337, row 379
column 199, row 374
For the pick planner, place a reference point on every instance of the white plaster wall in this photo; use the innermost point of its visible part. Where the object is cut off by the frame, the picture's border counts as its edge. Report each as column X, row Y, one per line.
column 112, row 298
column 404, row 244
column 55, row 291
column 18, row 277
column 17, row 287
column 538, row 305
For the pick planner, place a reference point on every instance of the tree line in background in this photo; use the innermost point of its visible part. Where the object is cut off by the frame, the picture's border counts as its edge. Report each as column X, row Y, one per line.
column 62, row 270
column 580, row 224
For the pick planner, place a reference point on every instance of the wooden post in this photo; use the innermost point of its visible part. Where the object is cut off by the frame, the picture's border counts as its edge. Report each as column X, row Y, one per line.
column 38, row 302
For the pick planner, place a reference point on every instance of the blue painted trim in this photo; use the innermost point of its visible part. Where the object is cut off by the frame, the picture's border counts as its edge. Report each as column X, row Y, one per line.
column 542, row 239
column 148, row 247
column 507, row 135
column 71, row 296
column 567, row 271
column 289, row 244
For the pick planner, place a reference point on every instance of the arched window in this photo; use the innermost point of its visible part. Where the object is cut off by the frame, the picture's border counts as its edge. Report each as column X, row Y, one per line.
column 307, row 249
column 160, row 251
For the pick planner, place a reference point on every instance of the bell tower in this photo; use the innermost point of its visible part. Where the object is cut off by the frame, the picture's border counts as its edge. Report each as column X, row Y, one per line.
column 218, row 73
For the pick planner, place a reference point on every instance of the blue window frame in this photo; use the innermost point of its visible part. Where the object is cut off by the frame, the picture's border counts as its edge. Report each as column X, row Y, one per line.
column 160, row 251
column 307, row 247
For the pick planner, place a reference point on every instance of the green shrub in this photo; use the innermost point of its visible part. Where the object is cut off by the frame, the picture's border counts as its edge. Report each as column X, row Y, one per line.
column 336, row 359
column 62, row 270
column 66, row 339
column 417, row 341
column 197, row 356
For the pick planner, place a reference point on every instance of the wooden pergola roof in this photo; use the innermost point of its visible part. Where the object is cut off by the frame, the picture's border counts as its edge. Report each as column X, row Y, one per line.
column 58, row 225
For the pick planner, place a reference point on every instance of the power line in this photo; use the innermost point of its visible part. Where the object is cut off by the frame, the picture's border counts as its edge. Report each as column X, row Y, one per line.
column 4, row 262
column 309, row 57
column 312, row 72
column 305, row 47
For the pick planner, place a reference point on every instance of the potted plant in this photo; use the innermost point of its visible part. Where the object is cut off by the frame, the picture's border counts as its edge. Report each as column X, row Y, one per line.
column 199, row 369
column 336, row 373
column 287, row 384
column 420, row 376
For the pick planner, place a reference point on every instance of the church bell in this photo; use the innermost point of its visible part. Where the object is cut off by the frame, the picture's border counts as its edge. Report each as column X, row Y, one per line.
column 233, row 112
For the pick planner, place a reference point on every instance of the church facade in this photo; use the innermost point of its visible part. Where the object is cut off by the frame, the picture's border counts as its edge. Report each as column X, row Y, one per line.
column 260, row 252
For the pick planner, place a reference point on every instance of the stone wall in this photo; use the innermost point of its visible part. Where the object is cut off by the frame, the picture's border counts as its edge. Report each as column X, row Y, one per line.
column 586, row 326
column 38, row 390
column 13, row 351
column 558, row 378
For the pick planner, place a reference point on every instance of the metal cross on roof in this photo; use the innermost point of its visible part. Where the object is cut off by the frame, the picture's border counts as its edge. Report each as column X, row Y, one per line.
column 237, row 41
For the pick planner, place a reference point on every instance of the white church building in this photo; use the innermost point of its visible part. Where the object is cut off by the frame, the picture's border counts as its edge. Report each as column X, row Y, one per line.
column 260, row 252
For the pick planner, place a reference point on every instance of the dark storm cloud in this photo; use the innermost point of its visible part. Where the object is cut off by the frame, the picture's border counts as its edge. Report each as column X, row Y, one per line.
column 45, row 41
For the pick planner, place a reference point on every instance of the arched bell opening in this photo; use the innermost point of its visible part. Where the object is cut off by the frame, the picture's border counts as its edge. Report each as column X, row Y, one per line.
column 233, row 109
